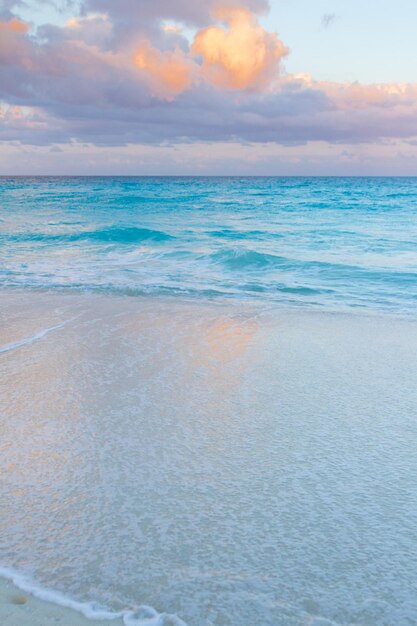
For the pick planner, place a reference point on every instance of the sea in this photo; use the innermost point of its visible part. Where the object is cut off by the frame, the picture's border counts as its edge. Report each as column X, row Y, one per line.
column 327, row 243
column 208, row 398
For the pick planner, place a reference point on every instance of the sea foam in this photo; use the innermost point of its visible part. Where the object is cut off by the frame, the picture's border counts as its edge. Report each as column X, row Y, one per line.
column 140, row 616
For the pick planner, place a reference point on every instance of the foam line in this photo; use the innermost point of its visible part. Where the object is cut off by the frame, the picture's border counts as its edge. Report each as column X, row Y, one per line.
column 89, row 610
column 29, row 340
column 141, row 616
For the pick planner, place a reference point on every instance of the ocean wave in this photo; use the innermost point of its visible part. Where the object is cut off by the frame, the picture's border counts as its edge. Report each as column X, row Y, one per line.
column 126, row 235
column 241, row 259
column 140, row 616
column 228, row 233
column 117, row 235
column 338, row 243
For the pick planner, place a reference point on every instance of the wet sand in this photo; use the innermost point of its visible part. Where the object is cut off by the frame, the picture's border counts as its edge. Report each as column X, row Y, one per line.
column 225, row 463
column 18, row 608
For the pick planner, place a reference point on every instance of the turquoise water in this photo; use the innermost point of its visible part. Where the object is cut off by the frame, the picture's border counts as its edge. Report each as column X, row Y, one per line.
column 333, row 243
column 231, row 446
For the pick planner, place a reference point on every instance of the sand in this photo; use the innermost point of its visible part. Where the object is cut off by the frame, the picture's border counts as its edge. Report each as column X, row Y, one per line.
column 220, row 462
column 18, row 608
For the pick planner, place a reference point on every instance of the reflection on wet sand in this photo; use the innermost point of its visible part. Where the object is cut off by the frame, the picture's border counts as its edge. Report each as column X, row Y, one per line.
column 165, row 452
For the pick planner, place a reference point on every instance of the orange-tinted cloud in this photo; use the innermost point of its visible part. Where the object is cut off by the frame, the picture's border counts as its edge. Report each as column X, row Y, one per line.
column 356, row 96
column 14, row 45
column 14, row 26
column 170, row 72
column 242, row 56
column 172, row 29
column 75, row 76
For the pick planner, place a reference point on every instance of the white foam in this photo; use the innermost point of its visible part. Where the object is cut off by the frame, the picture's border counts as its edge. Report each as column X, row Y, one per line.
column 141, row 616
column 40, row 335
column 147, row 616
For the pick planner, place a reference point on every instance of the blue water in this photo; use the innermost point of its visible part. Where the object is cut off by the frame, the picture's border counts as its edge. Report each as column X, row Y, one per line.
column 334, row 243
column 215, row 451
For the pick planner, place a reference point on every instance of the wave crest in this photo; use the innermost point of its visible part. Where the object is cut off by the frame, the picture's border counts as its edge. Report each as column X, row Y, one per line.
column 112, row 234
column 242, row 258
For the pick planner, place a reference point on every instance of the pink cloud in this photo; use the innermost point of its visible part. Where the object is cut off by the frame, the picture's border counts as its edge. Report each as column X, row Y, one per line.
column 92, row 83
column 242, row 56
column 355, row 96
column 14, row 25
column 169, row 72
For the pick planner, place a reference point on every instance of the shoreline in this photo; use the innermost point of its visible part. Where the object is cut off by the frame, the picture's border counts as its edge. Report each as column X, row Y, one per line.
column 257, row 305
column 24, row 603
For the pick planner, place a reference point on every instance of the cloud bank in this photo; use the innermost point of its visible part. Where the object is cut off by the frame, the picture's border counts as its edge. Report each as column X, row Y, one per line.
column 165, row 73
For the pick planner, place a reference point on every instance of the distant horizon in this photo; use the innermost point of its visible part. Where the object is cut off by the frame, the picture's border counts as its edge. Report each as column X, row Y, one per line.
column 207, row 176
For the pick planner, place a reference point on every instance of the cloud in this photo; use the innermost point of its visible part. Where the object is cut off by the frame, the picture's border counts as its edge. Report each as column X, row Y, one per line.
column 328, row 20
column 220, row 159
column 108, row 80
column 7, row 8
column 172, row 28
column 242, row 56
column 30, row 125
column 355, row 96
column 170, row 72
column 93, row 30
column 136, row 12
column 14, row 26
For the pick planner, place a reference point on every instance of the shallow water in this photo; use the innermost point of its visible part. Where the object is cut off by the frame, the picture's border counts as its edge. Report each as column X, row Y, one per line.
column 230, row 463
column 328, row 243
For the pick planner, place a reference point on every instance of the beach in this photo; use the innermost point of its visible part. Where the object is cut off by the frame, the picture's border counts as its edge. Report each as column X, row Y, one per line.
column 208, row 313
column 20, row 609
column 208, row 401
column 224, row 463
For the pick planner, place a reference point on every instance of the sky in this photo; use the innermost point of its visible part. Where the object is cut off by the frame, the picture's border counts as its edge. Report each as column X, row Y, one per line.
column 289, row 87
